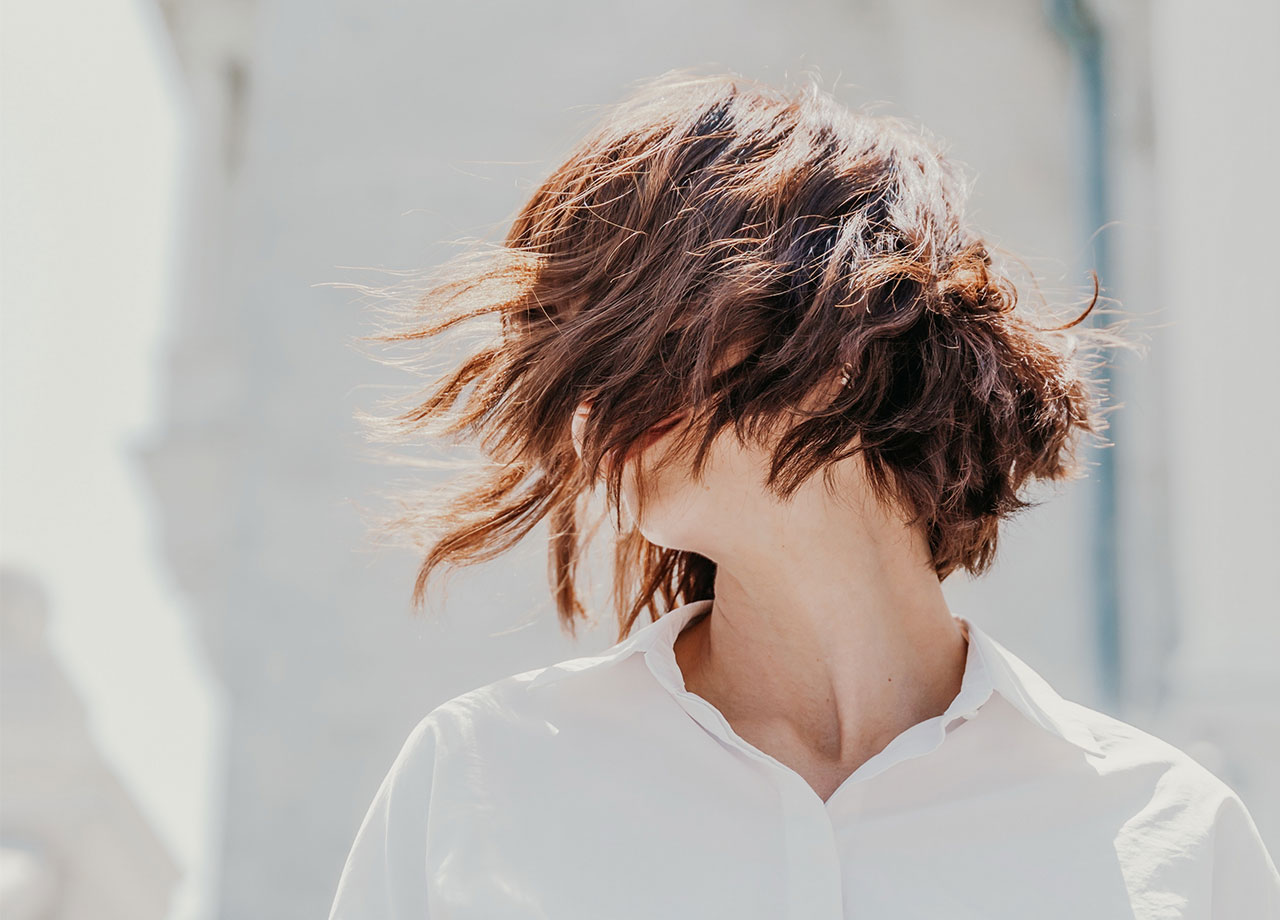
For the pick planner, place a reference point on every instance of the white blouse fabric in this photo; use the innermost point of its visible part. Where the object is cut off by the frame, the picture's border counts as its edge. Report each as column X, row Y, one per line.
column 599, row 788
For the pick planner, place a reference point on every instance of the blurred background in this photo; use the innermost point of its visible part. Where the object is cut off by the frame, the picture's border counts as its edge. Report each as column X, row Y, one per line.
column 208, row 669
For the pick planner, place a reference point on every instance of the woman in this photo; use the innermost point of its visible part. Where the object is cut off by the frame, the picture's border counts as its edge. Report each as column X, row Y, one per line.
column 753, row 335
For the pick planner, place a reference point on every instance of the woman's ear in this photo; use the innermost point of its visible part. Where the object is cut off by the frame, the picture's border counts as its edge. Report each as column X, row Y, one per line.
column 578, row 425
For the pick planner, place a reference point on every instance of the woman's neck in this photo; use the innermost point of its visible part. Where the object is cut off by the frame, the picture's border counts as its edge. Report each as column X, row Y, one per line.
column 825, row 642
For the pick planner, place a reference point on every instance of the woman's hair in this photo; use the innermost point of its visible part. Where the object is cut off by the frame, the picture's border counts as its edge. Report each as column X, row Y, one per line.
column 721, row 248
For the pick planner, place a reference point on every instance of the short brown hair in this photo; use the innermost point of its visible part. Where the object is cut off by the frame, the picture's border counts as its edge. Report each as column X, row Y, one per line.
column 708, row 216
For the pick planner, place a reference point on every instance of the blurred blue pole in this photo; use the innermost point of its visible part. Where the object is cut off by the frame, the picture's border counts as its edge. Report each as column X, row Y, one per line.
column 1079, row 30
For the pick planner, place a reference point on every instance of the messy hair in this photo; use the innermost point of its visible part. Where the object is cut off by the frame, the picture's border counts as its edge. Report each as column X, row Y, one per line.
column 722, row 249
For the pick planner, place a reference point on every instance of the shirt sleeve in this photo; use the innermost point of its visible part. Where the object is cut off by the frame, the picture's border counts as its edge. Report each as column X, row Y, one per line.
column 1246, row 885
column 385, row 874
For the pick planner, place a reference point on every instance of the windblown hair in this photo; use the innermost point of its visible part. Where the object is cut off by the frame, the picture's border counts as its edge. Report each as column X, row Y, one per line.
column 721, row 248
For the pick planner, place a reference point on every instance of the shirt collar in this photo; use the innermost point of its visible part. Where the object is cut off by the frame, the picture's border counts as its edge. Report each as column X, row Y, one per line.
column 999, row 670
column 1031, row 694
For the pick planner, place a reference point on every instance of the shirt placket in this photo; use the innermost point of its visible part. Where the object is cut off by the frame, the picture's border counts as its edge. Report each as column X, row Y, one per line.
column 814, row 874
column 814, row 880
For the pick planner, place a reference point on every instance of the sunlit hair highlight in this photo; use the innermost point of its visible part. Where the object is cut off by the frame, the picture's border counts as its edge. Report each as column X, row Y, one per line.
column 725, row 249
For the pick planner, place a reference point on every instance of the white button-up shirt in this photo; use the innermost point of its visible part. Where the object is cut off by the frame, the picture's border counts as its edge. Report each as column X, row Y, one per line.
column 600, row 788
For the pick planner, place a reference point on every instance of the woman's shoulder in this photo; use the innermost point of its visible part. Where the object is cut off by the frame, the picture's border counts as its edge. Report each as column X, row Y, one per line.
column 1172, row 785
column 1128, row 751
column 577, row 687
column 1171, row 813
column 1125, row 747
column 471, row 754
